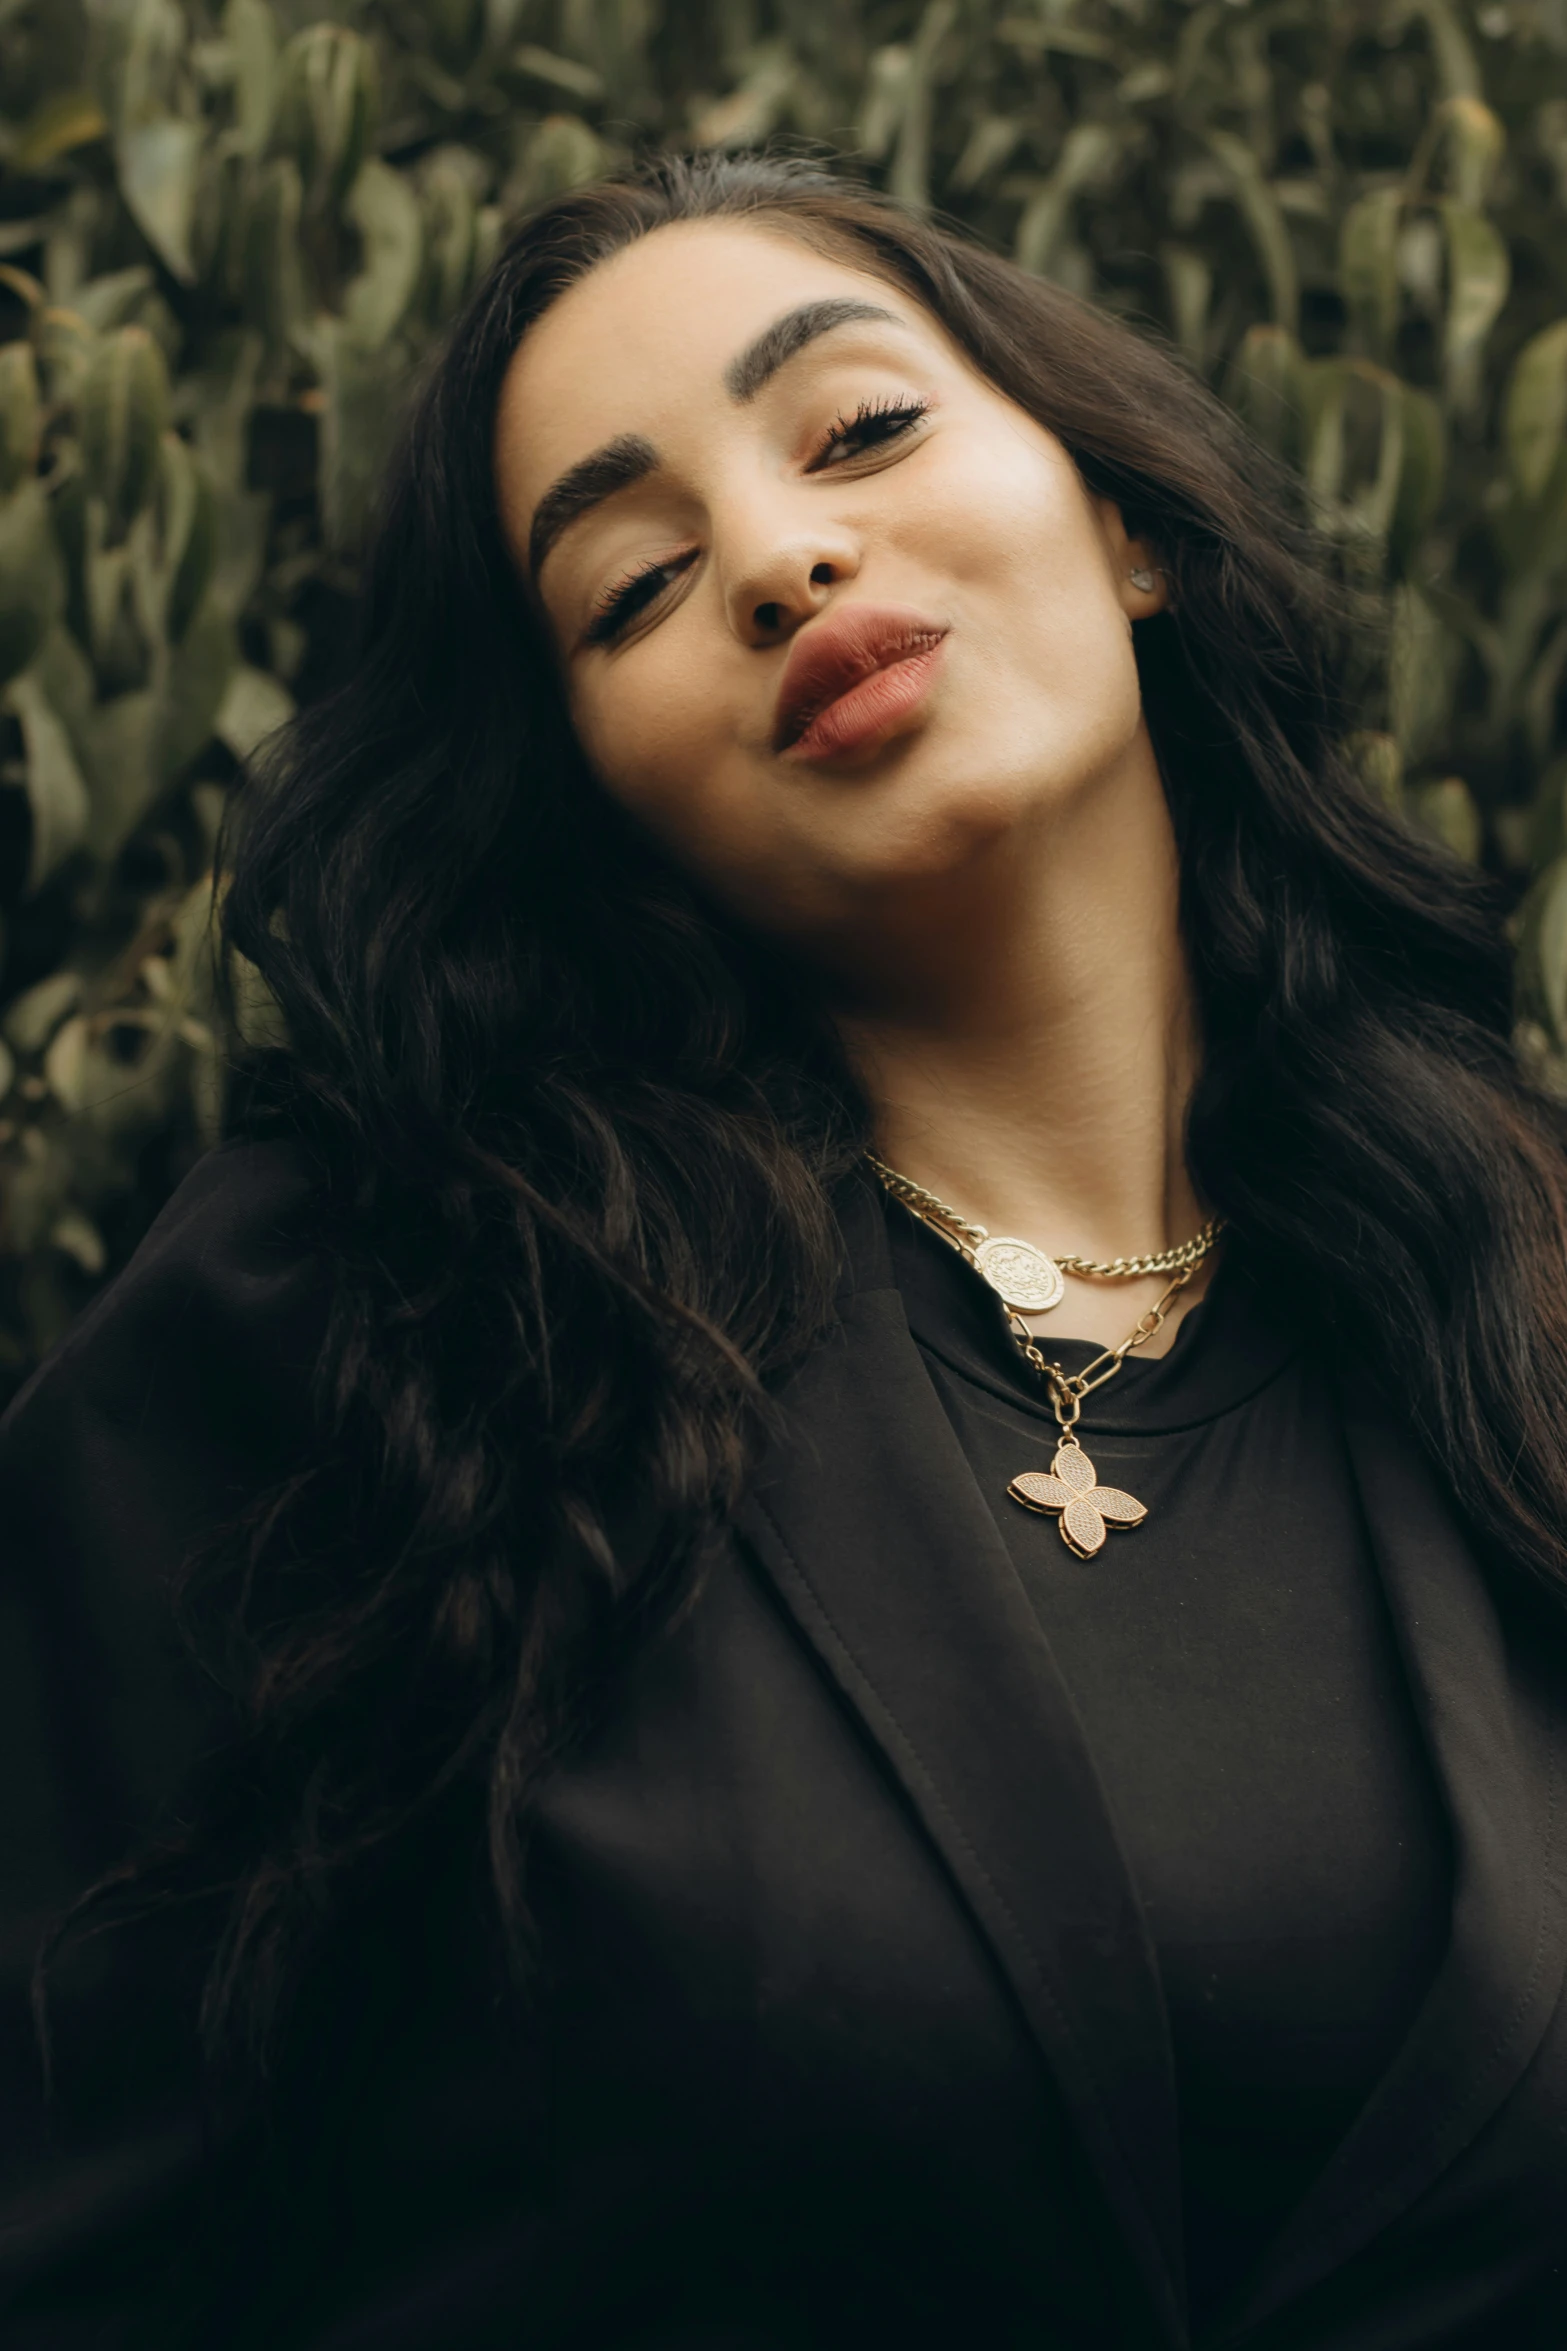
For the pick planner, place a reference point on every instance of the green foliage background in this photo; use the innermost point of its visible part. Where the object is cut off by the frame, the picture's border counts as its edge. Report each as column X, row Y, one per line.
column 227, row 233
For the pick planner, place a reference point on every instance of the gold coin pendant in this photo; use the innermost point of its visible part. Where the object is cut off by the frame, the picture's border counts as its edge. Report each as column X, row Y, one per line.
column 1025, row 1278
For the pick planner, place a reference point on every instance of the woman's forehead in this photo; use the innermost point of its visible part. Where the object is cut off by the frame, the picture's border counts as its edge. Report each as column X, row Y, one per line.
column 659, row 322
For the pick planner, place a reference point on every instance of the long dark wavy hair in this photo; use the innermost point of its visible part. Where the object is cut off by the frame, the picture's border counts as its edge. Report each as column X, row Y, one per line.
column 578, row 1134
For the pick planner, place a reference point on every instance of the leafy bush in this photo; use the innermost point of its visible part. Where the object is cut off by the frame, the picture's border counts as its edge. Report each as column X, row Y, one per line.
column 227, row 235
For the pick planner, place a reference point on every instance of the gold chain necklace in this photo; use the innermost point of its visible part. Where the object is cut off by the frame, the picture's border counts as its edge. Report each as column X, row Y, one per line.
column 1070, row 1487
column 1023, row 1277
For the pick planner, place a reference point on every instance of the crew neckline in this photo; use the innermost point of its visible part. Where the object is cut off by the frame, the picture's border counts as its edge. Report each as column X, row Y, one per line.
column 1225, row 1350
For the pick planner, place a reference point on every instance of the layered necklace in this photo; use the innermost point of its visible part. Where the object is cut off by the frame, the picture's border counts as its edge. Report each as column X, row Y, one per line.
column 1028, row 1282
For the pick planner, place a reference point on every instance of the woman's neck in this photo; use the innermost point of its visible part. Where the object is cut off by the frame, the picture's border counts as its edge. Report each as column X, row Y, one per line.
column 1033, row 1063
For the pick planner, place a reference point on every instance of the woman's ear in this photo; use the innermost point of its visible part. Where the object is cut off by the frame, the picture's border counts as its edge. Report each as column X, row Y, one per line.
column 1141, row 582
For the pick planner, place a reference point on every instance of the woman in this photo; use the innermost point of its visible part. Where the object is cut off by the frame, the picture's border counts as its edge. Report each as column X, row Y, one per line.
column 868, row 1448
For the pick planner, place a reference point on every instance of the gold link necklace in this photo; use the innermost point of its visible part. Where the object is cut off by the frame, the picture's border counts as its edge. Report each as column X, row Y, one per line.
column 1021, row 1275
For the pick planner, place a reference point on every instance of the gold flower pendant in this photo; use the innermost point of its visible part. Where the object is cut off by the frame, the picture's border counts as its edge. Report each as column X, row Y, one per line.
column 1072, row 1487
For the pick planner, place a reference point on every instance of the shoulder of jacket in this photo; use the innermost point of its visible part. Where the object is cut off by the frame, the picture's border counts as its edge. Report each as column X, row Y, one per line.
column 228, row 1270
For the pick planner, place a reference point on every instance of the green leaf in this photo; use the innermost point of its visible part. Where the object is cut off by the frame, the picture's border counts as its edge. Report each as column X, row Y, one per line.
column 122, row 413
column 190, row 535
column 1422, row 673
column 1534, row 414
column 15, row 237
column 385, row 211
column 1327, row 384
column 118, row 1101
column 158, row 166
column 122, row 640
column 1543, row 947
column 56, row 793
column 1368, row 268
column 194, row 964
column 1039, row 35
column 197, row 678
column 21, row 416
column 1446, row 811
column 328, row 107
column 358, row 406
column 254, row 705
column 487, row 229
column 1188, row 278
column 139, row 58
column 258, row 1023
column 31, row 585
column 113, row 301
column 65, row 120
column 1451, row 47
column 223, row 191
column 80, row 1239
column 909, row 179
column 1476, row 143
column 39, row 1010
column 120, row 763
column 562, row 153
column 1086, row 152
column 1268, row 387
column 448, row 186
column 991, row 140
column 1377, row 760
column 558, row 73
column 882, row 100
column 71, row 532
column 1269, row 230
column 250, row 30
column 1422, row 477
column 66, row 677
column 219, row 401
column 274, row 275
column 65, row 348
column 1541, row 690
column 1547, row 818
column 1370, row 508
column 241, row 547
column 456, row 28
column 748, row 113
column 1478, row 277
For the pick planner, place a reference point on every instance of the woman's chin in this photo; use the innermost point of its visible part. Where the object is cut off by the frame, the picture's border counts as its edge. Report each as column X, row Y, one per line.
column 943, row 829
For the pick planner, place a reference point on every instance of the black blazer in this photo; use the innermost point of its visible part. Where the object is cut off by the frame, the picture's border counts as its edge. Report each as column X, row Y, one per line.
column 845, row 2025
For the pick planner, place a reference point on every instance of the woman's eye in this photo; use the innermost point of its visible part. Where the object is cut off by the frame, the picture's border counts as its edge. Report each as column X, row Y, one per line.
column 622, row 603
column 873, row 422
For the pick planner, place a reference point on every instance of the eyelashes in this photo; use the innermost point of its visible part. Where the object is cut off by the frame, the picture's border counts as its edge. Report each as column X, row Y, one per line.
column 619, row 608
column 873, row 424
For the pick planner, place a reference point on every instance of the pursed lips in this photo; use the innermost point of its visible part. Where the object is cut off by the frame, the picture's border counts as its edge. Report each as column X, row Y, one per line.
column 833, row 656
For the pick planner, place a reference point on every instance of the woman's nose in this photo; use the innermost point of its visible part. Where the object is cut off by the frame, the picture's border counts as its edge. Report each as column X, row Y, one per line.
column 772, row 595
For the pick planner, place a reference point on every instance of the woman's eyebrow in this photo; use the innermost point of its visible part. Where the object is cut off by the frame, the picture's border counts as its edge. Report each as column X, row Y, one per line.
column 776, row 345
column 626, row 459
column 630, row 457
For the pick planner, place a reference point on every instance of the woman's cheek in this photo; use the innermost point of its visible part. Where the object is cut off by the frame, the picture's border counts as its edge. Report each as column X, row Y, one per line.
column 645, row 740
column 1017, row 517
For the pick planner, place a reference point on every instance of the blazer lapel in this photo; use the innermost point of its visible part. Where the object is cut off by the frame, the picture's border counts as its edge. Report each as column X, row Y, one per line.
column 1492, row 1718
column 868, row 1519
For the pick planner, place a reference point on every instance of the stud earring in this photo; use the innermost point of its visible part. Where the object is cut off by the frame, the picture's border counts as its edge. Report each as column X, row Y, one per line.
column 1142, row 578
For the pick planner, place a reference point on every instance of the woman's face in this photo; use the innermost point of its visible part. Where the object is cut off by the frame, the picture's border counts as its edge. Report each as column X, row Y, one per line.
column 835, row 618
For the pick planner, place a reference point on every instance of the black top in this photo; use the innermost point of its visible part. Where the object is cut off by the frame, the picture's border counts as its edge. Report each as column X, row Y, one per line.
column 1234, row 1665
column 847, row 2027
